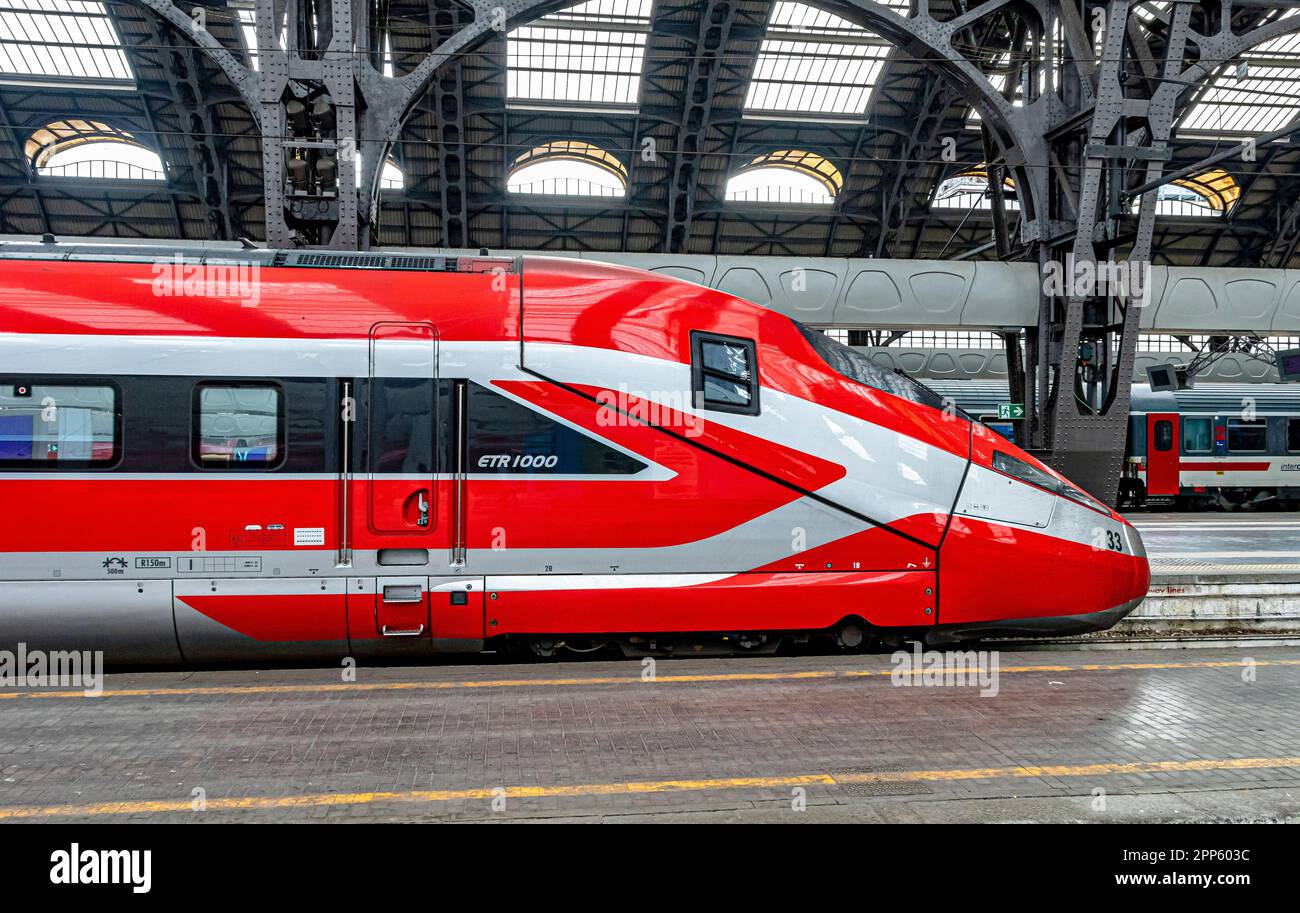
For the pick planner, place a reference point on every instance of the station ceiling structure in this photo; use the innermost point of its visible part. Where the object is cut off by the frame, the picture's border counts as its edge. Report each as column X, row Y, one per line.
column 795, row 78
column 1038, row 130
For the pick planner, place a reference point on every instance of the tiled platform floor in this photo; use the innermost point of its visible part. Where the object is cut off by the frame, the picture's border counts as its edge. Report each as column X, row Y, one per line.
column 1158, row 735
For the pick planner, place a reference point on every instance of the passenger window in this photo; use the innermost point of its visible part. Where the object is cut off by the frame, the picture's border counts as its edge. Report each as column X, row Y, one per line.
column 1196, row 435
column 1247, row 437
column 238, row 426
column 724, row 374
column 1293, row 435
column 1164, row 435
column 58, row 425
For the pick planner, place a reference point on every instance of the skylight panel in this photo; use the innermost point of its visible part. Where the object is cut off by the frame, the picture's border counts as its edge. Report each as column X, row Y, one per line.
column 60, row 41
column 1260, row 94
column 970, row 190
column 248, row 33
column 589, row 54
column 812, row 62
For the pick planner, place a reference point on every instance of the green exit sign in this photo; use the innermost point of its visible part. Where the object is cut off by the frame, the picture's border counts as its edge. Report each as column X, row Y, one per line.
column 1011, row 410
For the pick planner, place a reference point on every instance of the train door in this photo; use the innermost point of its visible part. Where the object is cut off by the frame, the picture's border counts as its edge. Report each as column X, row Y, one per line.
column 399, row 517
column 1162, row 453
column 413, row 505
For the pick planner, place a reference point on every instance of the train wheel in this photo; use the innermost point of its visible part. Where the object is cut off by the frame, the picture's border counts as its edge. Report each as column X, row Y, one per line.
column 855, row 636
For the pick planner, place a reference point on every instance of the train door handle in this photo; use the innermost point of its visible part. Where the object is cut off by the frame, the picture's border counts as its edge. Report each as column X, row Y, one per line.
column 395, row 632
column 424, row 510
column 395, row 593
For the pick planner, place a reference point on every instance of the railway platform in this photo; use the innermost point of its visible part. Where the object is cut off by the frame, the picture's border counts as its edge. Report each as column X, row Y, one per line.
column 1067, row 735
column 1216, row 578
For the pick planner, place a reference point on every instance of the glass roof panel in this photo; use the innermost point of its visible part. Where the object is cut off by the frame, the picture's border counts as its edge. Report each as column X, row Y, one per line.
column 1257, row 94
column 248, row 32
column 812, row 62
column 60, row 41
column 970, row 190
column 588, row 54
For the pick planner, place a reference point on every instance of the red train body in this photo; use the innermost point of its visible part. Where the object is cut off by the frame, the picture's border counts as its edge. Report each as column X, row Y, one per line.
column 391, row 462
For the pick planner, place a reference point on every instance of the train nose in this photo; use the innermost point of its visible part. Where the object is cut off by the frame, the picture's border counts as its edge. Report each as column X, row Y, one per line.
column 1141, row 566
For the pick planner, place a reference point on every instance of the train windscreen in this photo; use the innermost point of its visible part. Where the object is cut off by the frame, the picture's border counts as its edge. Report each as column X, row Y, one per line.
column 856, row 366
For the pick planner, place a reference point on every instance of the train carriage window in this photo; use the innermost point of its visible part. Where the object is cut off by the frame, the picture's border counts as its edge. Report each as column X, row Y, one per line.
column 58, row 425
column 238, row 426
column 1164, row 435
column 1293, row 435
column 1197, row 435
column 1247, row 436
column 724, row 373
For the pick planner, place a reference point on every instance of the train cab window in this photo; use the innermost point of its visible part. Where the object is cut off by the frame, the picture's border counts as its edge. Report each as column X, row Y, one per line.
column 857, row 367
column 238, row 426
column 724, row 373
column 1197, row 435
column 1247, row 436
column 1164, row 436
column 58, row 425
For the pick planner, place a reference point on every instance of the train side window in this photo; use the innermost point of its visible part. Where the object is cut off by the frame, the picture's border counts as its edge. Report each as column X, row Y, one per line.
column 724, row 375
column 1196, row 435
column 59, row 425
column 1293, row 435
column 1164, row 435
column 238, row 426
column 403, row 417
column 1247, row 436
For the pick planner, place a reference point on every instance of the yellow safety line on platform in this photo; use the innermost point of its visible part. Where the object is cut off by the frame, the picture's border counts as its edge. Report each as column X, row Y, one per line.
column 720, row 677
column 317, row 800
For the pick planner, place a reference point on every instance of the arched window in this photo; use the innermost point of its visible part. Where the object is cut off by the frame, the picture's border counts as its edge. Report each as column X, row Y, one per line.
column 1210, row 194
column 77, row 148
column 390, row 176
column 787, row 176
column 970, row 190
column 568, row 168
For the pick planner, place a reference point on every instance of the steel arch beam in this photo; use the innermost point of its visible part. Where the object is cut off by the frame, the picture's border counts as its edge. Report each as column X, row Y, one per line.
column 245, row 81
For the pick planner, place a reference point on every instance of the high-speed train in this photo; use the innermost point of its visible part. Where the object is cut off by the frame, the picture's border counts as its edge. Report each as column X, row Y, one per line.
column 304, row 456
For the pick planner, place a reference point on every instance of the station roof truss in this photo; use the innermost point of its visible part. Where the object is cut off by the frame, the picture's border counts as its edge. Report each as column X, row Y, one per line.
column 872, row 128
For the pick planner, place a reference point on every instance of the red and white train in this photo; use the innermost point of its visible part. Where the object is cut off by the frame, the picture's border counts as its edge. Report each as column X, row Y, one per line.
column 1215, row 445
column 384, row 456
